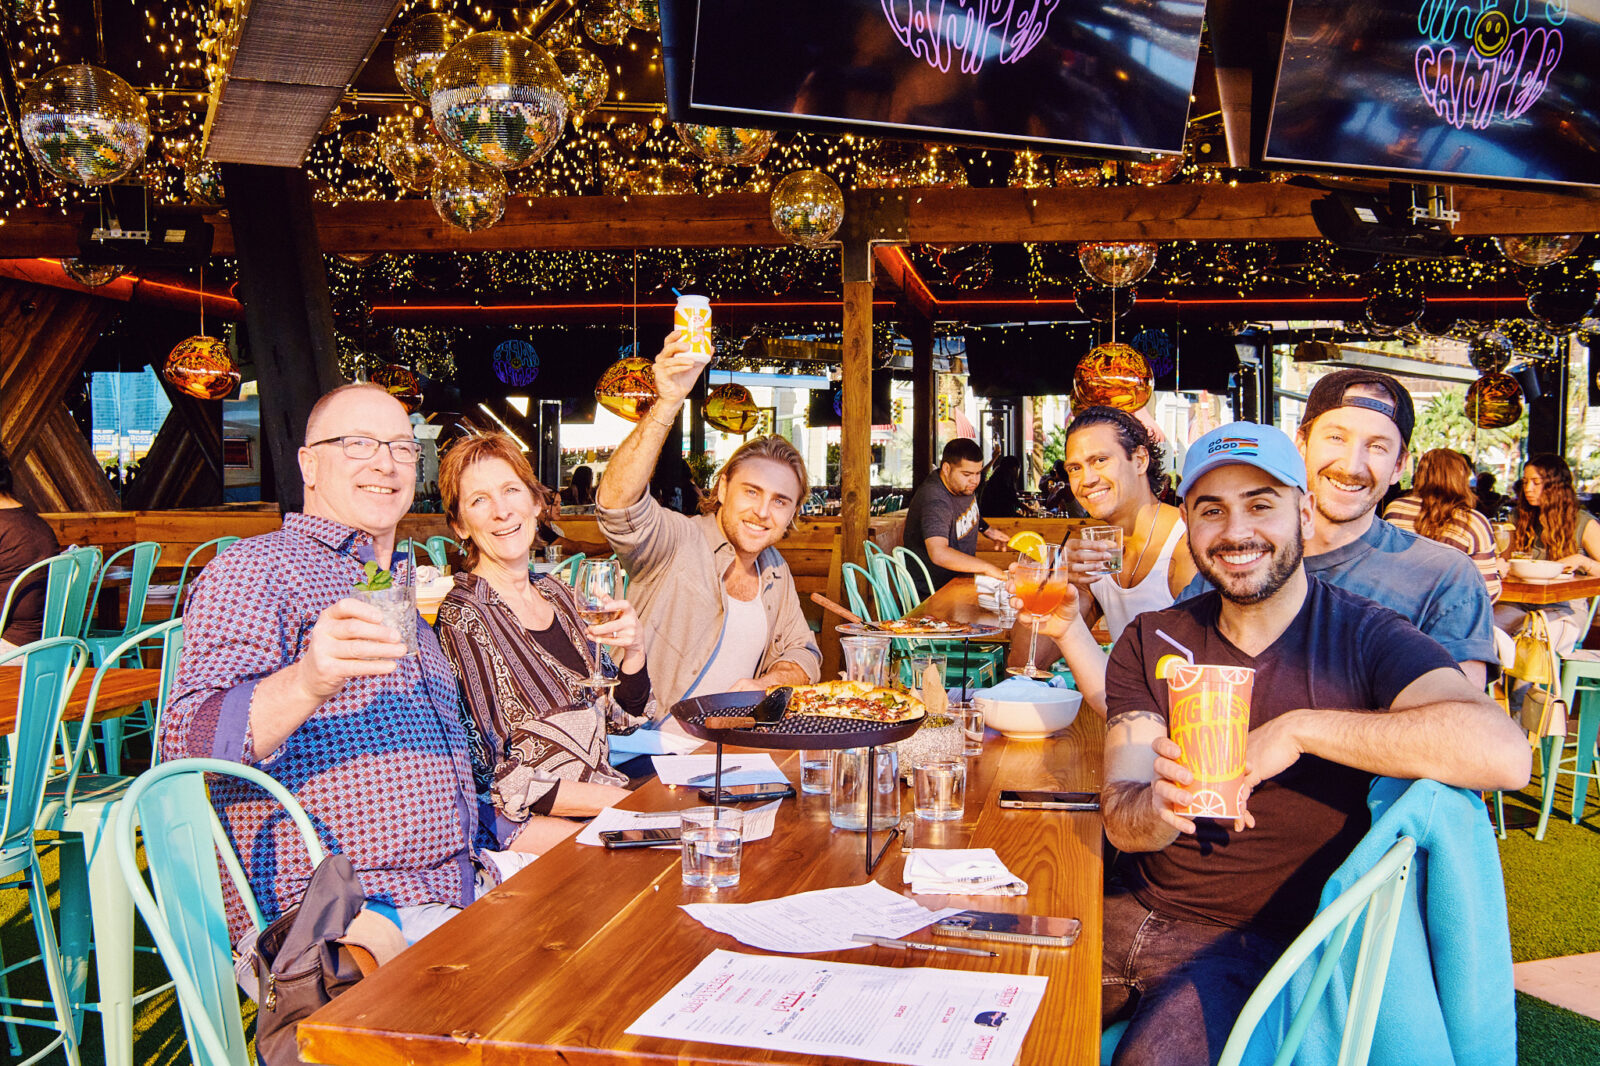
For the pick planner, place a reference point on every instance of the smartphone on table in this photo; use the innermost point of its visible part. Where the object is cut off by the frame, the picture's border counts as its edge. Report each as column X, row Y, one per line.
column 1012, row 928
column 1034, row 800
column 640, row 838
column 749, row 793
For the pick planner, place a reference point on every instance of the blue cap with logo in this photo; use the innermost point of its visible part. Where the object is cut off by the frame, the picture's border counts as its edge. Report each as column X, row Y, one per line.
column 1266, row 448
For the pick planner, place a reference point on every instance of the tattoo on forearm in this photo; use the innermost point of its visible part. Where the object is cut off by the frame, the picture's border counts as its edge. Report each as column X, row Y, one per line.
column 1130, row 717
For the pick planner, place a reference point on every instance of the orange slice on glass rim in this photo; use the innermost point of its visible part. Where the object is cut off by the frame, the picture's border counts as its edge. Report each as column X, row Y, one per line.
column 1166, row 664
column 1028, row 543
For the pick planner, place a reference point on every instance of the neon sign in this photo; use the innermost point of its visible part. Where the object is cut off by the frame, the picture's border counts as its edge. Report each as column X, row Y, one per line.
column 516, row 362
column 939, row 30
column 1483, row 66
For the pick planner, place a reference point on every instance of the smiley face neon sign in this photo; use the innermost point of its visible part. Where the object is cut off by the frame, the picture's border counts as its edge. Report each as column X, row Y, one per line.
column 1481, row 65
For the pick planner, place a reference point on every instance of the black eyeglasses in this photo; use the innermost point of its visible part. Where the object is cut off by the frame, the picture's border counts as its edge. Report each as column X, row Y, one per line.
column 406, row 452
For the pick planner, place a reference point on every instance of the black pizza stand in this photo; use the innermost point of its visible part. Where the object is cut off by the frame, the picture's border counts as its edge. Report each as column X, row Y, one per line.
column 792, row 733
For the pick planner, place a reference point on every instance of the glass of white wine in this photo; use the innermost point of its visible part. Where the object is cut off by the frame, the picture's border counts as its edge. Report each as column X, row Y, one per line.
column 599, row 582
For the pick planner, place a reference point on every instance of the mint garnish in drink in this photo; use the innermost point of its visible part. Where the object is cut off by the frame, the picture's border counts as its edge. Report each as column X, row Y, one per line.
column 376, row 580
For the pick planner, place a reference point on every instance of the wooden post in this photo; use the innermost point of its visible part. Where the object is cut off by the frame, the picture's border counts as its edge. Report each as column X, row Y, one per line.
column 919, row 330
column 284, row 288
column 855, row 443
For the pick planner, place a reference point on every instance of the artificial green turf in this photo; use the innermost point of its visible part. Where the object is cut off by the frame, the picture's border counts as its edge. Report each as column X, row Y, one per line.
column 1550, row 891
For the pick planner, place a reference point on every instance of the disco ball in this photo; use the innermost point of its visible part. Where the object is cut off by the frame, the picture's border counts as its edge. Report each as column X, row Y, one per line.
column 1564, row 304
column 92, row 274
column 1437, row 323
column 1113, row 375
column 668, row 178
column 422, row 42
column 23, row 10
column 359, row 148
column 889, row 165
column 807, row 207
column 584, row 75
column 731, row 409
column 1081, row 173
column 410, row 149
column 85, row 125
column 1494, row 401
column 729, row 145
column 1246, row 259
column 499, row 99
column 202, row 368
column 1395, row 308
column 631, row 134
column 642, row 14
column 1029, row 170
column 1117, row 263
column 1103, row 303
column 628, row 388
column 604, row 22
column 1157, row 170
column 468, row 196
column 202, row 180
column 1540, row 250
column 401, row 383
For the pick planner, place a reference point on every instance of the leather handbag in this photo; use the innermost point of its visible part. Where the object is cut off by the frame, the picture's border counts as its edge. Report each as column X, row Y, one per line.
column 1535, row 660
column 299, row 962
column 1544, row 714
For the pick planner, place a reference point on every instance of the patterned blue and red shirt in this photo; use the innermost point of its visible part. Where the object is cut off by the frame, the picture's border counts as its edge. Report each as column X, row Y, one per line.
column 383, row 768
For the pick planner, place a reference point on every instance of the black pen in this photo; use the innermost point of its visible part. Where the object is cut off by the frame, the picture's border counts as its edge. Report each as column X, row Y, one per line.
column 917, row 945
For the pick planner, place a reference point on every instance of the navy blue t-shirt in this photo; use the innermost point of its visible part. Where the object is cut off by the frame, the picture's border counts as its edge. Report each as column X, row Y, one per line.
column 1341, row 652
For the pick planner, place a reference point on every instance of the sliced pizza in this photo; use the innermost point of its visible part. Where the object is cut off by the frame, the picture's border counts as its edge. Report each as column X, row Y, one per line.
column 855, row 699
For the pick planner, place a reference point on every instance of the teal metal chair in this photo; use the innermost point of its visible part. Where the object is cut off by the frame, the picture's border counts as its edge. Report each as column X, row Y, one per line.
column 567, row 569
column 853, row 578
column 50, row 670
column 80, row 808
column 220, row 544
column 185, row 915
column 973, row 664
column 439, row 549
column 56, row 573
column 913, row 582
column 78, row 606
column 1579, row 676
column 1374, row 902
column 142, row 560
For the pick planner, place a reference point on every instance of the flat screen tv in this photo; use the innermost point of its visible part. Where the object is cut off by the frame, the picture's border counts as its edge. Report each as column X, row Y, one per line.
column 1443, row 89
column 1105, row 76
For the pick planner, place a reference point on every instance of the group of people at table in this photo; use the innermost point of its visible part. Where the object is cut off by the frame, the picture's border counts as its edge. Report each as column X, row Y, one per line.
column 441, row 774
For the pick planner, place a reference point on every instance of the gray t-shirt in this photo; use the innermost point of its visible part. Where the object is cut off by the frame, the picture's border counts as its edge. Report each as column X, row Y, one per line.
column 1434, row 586
column 935, row 511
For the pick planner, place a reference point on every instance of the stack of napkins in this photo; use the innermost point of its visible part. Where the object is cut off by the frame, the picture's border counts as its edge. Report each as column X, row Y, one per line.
column 961, row 872
column 991, row 592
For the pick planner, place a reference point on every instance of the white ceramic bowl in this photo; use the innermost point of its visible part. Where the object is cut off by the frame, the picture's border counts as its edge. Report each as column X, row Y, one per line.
column 1041, row 714
column 1535, row 568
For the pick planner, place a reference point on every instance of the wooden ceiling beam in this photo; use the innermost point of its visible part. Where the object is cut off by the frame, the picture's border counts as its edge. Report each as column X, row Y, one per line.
column 1202, row 212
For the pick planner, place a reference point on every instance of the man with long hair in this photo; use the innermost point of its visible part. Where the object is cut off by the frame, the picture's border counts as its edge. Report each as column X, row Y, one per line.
column 719, row 605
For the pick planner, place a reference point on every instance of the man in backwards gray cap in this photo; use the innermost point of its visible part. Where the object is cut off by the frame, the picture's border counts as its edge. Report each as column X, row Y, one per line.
column 1354, row 437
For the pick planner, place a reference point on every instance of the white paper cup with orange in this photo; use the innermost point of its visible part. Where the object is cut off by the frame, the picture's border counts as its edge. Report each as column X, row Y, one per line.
column 692, row 317
column 1208, row 716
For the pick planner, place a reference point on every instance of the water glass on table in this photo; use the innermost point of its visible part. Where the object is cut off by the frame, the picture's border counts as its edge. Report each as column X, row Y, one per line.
column 1040, row 580
column 552, row 553
column 816, row 772
column 866, row 657
column 940, row 789
column 713, row 846
column 969, row 719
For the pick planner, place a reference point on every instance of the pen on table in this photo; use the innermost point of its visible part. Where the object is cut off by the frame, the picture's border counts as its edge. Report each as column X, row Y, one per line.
column 701, row 779
column 917, row 945
column 652, row 814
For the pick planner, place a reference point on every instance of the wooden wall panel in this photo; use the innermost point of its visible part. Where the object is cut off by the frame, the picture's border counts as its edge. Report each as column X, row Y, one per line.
column 59, row 472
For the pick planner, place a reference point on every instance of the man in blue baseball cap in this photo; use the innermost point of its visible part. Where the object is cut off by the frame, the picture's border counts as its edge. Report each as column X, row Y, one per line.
column 1198, row 909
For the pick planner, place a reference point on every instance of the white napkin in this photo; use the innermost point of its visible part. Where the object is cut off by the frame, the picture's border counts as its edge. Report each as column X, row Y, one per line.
column 990, row 591
column 961, row 872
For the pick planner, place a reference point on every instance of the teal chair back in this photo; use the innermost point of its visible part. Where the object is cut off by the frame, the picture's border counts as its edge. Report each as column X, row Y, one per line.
column 567, row 569
column 183, row 842
column 56, row 573
column 50, row 669
column 142, row 559
column 1377, row 896
column 221, row 544
column 77, row 608
column 854, row 577
column 439, row 549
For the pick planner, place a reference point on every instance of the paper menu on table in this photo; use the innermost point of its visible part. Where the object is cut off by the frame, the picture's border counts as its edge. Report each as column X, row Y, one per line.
column 696, row 770
column 823, row 920
column 758, row 823
column 921, row 1016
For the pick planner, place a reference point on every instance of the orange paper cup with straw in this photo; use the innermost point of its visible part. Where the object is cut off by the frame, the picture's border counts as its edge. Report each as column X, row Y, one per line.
column 1208, row 716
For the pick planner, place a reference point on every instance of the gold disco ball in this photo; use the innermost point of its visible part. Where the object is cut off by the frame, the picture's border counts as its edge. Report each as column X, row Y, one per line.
column 1157, row 170
column 729, row 145
column 466, row 195
column 202, row 368
column 1117, row 263
column 642, row 14
column 85, row 125
column 604, row 22
column 401, row 383
column 421, row 44
column 1113, row 375
column 628, row 388
column 584, row 75
column 1494, row 401
column 731, row 409
column 1029, row 170
column 631, row 134
column 202, row 180
column 668, row 178
column 410, row 149
column 1490, row 351
column 359, row 148
column 807, row 207
column 1540, row 250
column 1081, row 173
column 499, row 99
column 92, row 274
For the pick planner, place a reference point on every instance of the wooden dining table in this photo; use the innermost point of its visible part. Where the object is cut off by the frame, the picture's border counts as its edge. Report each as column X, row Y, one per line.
column 1556, row 590
column 121, row 693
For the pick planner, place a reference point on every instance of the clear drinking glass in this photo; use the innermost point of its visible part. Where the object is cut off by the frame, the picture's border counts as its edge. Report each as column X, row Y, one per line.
column 969, row 719
column 1040, row 579
column 1105, row 537
column 920, row 661
column 866, row 658
column 552, row 553
column 816, row 772
column 713, row 846
column 940, row 788
column 399, row 608
column 599, row 581
column 847, row 802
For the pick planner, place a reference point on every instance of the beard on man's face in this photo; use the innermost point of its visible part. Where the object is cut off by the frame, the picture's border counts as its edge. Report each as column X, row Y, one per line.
column 1256, row 586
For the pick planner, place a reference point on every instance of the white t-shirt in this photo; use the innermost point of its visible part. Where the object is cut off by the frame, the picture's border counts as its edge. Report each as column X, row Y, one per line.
column 744, row 638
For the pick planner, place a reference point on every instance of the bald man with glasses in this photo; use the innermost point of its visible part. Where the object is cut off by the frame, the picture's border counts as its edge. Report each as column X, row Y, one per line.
column 282, row 670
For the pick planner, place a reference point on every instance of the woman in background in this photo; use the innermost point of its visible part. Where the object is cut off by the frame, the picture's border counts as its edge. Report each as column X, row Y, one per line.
column 1440, row 507
column 1551, row 525
column 25, row 538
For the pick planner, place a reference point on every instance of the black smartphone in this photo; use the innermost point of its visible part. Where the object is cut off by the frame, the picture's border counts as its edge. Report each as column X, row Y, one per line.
column 639, row 838
column 766, row 790
column 1024, row 799
column 1016, row 928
